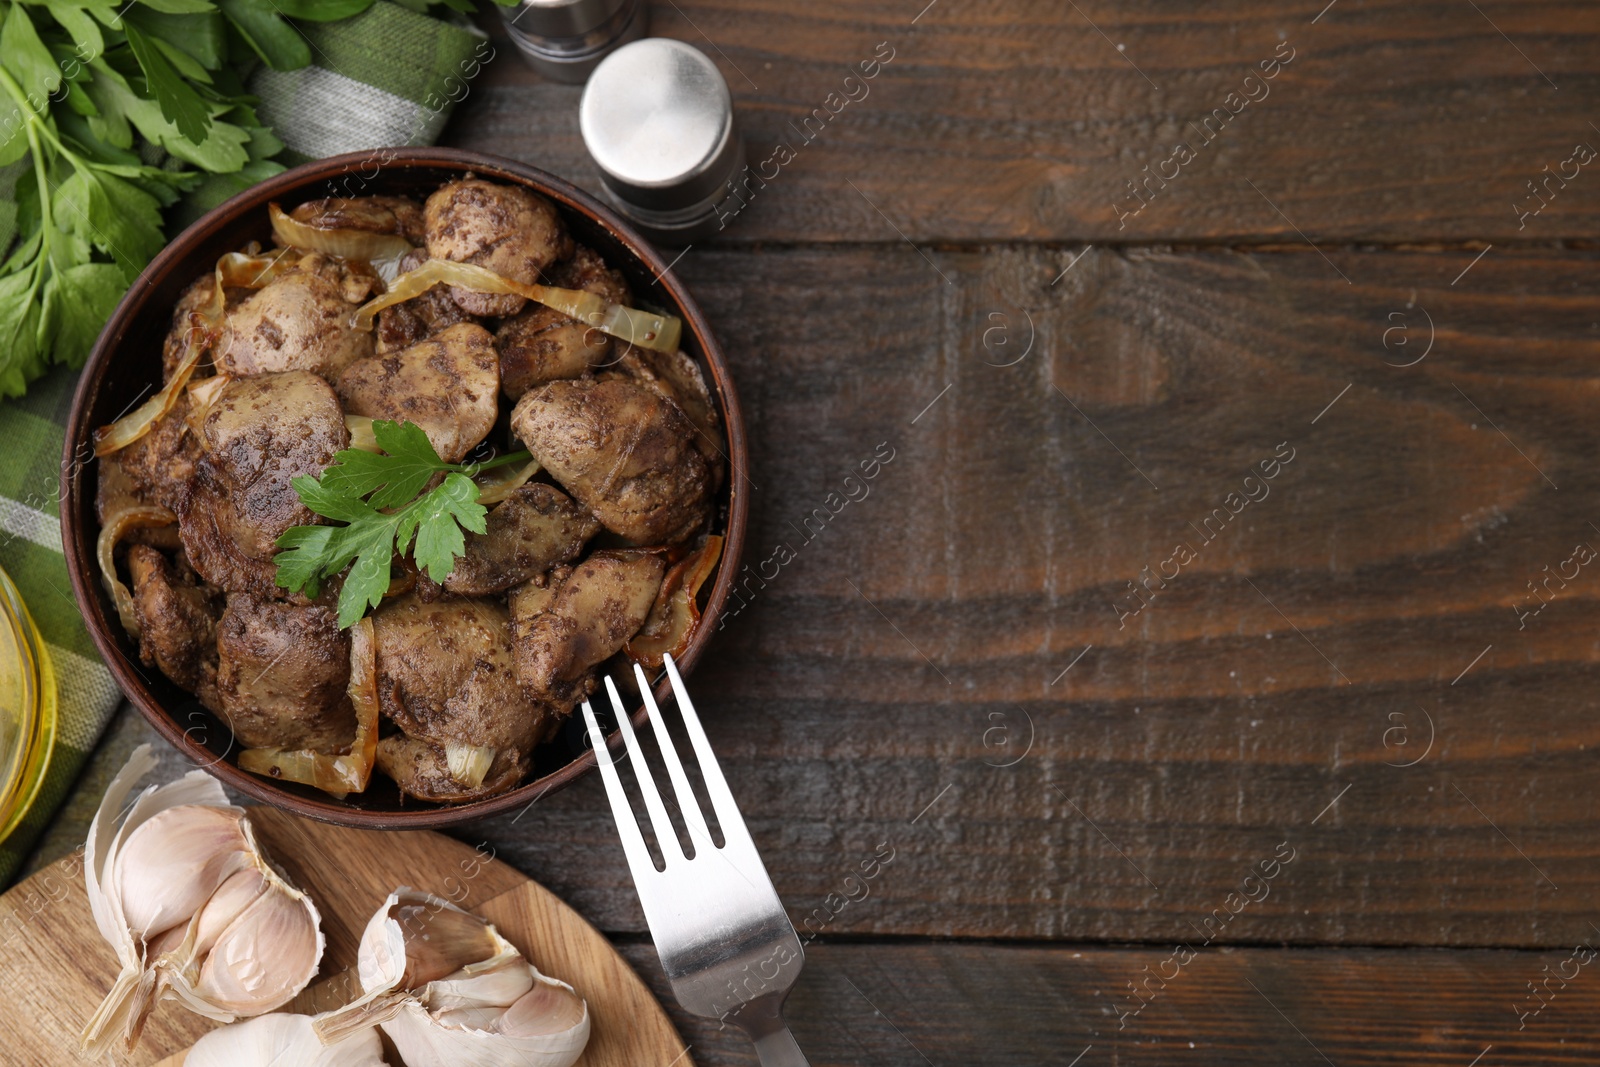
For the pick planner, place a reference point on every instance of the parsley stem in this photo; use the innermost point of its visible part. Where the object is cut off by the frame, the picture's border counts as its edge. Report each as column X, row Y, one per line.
column 34, row 123
column 522, row 456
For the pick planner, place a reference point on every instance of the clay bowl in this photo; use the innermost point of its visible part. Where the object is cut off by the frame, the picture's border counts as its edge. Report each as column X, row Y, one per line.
column 126, row 364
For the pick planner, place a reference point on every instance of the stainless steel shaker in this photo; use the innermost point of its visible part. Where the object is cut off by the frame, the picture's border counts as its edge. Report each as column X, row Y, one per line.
column 566, row 39
column 657, row 117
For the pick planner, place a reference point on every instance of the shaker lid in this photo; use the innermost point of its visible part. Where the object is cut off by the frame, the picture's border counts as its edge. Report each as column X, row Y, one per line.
column 658, row 119
column 561, row 18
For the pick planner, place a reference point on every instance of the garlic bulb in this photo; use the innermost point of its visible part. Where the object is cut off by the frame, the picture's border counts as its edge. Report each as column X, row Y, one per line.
column 182, row 892
column 449, row 990
column 282, row 1040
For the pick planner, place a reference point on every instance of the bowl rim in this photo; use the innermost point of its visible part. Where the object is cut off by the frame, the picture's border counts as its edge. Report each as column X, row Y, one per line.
column 78, row 542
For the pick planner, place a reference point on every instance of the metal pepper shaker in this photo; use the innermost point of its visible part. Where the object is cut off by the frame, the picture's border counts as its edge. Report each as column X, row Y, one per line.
column 657, row 117
column 566, row 39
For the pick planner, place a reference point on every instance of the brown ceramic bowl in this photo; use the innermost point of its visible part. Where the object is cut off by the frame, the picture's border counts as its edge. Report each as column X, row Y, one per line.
column 126, row 364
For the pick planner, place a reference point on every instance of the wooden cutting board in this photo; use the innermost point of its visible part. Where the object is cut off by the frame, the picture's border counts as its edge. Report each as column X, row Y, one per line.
column 55, row 967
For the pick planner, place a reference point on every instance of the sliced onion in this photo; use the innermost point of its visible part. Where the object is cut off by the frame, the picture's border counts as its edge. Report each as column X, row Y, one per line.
column 382, row 250
column 340, row 775
column 138, row 515
column 640, row 328
column 202, row 395
column 469, row 764
column 238, row 270
column 138, row 422
column 361, row 435
column 676, row 614
column 504, row 481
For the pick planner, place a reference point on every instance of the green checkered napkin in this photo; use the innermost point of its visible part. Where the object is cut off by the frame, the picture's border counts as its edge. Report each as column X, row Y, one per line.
column 385, row 78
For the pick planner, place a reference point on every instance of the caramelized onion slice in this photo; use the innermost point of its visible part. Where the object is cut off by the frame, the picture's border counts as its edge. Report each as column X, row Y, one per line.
column 202, row 394
column 361, row 435
column 138, row 422
column 495, row 487
column 338, row 776
column 382, row 250
column 676, row 614
column 105, row 547
column 640, row 328
column 468, row 764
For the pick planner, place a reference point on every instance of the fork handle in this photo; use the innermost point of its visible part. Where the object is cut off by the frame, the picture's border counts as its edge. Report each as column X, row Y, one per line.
column 779, row 1049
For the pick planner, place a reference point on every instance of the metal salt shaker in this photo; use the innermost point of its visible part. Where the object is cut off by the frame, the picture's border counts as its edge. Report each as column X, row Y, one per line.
column 657, row 118
column 566, row 39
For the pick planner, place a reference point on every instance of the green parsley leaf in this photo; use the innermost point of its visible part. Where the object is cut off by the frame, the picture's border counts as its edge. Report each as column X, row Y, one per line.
column 25, row 54
column 437, row 520
column 19, row 325
column 266, row 31
column 87, row 294
column 376, row 496
column 82, row 29
column 180, row 104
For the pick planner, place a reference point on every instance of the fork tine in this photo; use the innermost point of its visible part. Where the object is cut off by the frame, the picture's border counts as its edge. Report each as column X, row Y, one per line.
column 693, row 817
column 722, row 802
column 660, row 822
column 633, row 846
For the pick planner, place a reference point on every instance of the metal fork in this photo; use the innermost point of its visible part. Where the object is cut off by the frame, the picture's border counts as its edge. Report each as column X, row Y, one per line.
column 724, row 941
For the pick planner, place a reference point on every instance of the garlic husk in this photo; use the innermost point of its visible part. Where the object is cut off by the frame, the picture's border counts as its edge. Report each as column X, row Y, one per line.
column 194, row 910
column 495, row 1010
column 283, row 1040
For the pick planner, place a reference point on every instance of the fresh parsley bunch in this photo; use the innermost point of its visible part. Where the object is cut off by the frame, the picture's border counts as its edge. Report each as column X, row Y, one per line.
column 380, row 500
column 92, row 94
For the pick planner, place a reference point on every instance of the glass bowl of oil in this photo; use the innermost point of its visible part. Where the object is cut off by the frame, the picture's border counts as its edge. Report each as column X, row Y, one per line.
column 27, row 708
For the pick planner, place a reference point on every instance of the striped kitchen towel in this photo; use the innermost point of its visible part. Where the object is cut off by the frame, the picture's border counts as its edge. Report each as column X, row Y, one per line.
column 30, row 552
column 382, row 79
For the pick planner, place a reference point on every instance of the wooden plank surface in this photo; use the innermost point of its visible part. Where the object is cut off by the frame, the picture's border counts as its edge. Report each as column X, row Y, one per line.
column 1394, row 121
column 909, row 1005
column 938, row 624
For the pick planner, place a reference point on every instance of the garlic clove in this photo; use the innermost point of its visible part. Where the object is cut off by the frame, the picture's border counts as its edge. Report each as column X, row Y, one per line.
column 192, row 907
column 440, row 941
column 133, row 993
column 283, row 1040
column 171, row 865
column 111, row 827
column 242, row 889
column 265, row 956
column 424, row 1039
column 496, row 983
column 416, row 937
column 550, row 1007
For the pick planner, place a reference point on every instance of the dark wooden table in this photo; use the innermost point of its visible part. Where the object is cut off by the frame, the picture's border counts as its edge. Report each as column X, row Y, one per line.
column 1217, row 654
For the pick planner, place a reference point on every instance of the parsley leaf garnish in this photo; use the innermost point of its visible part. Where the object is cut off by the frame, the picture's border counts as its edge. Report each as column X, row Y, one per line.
column 376, row 497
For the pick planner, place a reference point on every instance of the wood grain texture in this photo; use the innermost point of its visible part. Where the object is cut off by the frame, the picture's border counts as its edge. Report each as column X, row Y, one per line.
column 1394, row 121
column 922, row 640
column 909, row 1005
column 54, row 966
